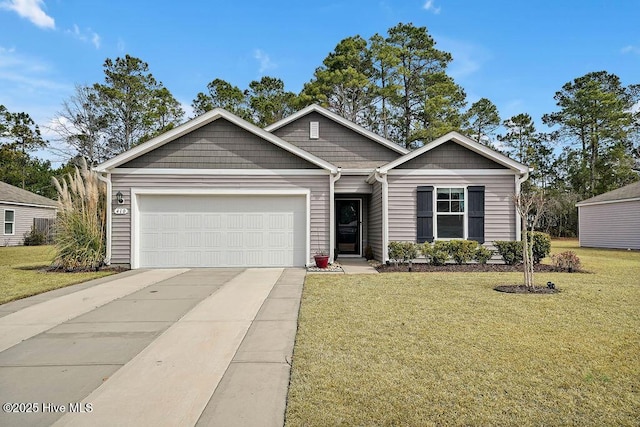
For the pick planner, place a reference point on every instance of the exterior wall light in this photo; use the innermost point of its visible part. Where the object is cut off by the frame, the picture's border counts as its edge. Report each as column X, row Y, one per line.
column 119, row 198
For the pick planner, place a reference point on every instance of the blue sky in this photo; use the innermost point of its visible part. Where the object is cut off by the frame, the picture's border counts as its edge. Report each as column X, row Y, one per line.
column 516, row 53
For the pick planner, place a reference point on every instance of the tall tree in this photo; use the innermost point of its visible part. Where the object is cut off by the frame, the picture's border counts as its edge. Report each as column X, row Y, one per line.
column 268, row 100
column 81, row 124
column 20, row 134
column 523, row 143
column 596, row 116
column 222, row 94
column 425, row 102
column 342, row 84
column 130, row 100
column 483, row 119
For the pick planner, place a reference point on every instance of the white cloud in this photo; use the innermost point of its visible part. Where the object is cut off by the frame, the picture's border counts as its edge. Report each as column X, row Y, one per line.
column 264, row 60
column 631, row 49
column 86, row 36
column 430, row 6
column 31, row 10
column 121, row 45
column 467, row 57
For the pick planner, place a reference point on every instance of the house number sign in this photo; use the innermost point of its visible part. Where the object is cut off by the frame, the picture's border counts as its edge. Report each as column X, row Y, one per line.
column 121, row 211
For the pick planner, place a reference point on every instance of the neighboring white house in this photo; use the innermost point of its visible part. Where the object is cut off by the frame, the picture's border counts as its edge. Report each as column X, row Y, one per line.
column 611, row 220
column 18, row 208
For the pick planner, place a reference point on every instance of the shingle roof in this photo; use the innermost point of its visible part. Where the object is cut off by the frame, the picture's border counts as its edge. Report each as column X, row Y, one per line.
column 9, row 193
column 631, row 191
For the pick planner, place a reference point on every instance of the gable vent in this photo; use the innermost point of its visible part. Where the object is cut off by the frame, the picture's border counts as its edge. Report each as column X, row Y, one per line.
column 314, row 130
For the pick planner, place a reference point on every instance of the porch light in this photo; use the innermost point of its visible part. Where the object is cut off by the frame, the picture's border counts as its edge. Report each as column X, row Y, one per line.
column 119, row 198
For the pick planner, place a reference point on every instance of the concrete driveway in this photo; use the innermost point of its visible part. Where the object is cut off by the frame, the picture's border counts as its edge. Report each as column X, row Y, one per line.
column 177, row 347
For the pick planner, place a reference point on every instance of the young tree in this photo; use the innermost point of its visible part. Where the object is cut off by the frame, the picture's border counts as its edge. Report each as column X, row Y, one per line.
column 596, row 114
column 483, row 118
column 530, row 207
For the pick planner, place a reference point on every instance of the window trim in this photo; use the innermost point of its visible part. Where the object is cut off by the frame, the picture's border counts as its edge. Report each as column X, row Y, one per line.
column 5, row 222
column 465, row 225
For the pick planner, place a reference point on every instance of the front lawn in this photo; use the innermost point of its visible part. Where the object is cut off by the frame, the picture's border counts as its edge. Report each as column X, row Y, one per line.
column 446, row 349
column 21, row 272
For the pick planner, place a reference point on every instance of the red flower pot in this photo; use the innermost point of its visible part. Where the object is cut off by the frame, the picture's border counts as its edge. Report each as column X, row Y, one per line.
column 322, row 261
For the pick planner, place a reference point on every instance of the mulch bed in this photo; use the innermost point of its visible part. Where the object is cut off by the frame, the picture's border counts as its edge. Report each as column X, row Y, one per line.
column 465, row 268
column 521, row 289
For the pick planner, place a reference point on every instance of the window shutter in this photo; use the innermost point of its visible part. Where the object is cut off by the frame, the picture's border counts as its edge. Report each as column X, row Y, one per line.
column 476, row 213
column 425, row 214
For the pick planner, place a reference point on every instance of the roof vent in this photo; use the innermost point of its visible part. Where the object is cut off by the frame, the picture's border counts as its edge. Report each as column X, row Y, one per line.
column 314, row 130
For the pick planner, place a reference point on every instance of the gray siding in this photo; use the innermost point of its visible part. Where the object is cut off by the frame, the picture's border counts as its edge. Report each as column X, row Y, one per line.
column 319, row 186
column 337, row 144
column 499, row 221
column 375, row 221
column 352, row 184
column 611, row 225
column 23, row 220
column 220, row 145
column 450, row 155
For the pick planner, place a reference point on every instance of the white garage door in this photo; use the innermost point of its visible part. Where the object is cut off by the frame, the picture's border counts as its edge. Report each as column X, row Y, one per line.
column 221, row 231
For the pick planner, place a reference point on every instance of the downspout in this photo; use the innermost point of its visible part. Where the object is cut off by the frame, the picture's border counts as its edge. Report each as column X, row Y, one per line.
column 519, row 180
column 107, row 180
column 335, row 176
column 381, row 177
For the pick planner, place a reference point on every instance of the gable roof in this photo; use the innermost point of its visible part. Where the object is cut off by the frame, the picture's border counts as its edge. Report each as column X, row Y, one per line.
column 14, row 195
column 203, row 120
column 341, row 120
column 623, row 194
column 465, row 142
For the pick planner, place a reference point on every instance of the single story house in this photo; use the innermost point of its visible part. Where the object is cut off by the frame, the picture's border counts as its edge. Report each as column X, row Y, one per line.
column 611, row 220
column 18, row 209
column 218, row 191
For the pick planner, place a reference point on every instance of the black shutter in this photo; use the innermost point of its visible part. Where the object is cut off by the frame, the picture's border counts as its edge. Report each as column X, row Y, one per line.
column 425, row 214
column 475, row 205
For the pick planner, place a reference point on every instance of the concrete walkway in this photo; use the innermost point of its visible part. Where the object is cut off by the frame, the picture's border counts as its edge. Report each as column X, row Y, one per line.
column 356, row 266
column 172, row 347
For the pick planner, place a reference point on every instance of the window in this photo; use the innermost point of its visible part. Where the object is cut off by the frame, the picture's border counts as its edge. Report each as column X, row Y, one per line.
column 9, row 222
column 452, row 213
column 450, row 210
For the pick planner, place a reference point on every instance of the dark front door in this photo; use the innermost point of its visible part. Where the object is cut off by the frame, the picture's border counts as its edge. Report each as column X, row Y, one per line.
column 348, row 226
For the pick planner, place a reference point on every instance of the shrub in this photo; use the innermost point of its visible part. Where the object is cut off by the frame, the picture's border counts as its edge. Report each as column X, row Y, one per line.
column 403, row 252
column 34, row 237
column 482, row 254
column 509, row 250
column 368, row 253
column 80, row 226
column 440, row 253
column 540, row 244
column 426, row 250
column 567, row 261
column 462, row 250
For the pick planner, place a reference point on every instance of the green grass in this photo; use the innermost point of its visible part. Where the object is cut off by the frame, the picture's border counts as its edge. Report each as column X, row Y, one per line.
column 21, row 272
column 446, row 349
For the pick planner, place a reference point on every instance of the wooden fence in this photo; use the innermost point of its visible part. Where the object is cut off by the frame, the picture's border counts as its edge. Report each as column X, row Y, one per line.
column 46, row 227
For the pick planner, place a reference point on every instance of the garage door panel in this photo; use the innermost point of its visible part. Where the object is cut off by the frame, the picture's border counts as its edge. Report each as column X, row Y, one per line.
column 210, row 231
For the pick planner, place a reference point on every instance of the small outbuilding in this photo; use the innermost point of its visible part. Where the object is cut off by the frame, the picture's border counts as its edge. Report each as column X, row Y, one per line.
column 19, row 211
column 611, row 220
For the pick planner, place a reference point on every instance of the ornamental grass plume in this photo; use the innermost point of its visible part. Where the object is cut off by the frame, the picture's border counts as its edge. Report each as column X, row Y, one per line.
column 80, row 224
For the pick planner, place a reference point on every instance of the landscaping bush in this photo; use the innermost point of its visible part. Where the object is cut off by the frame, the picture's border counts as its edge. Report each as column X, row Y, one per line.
column 80, row 227
column 403, row 252
column 462, row 250
column 540, row 244
column 440, row 253
column 426, row 250
column 34, row 237
column 566, row 261
column 509, row 250
column 482, row 254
